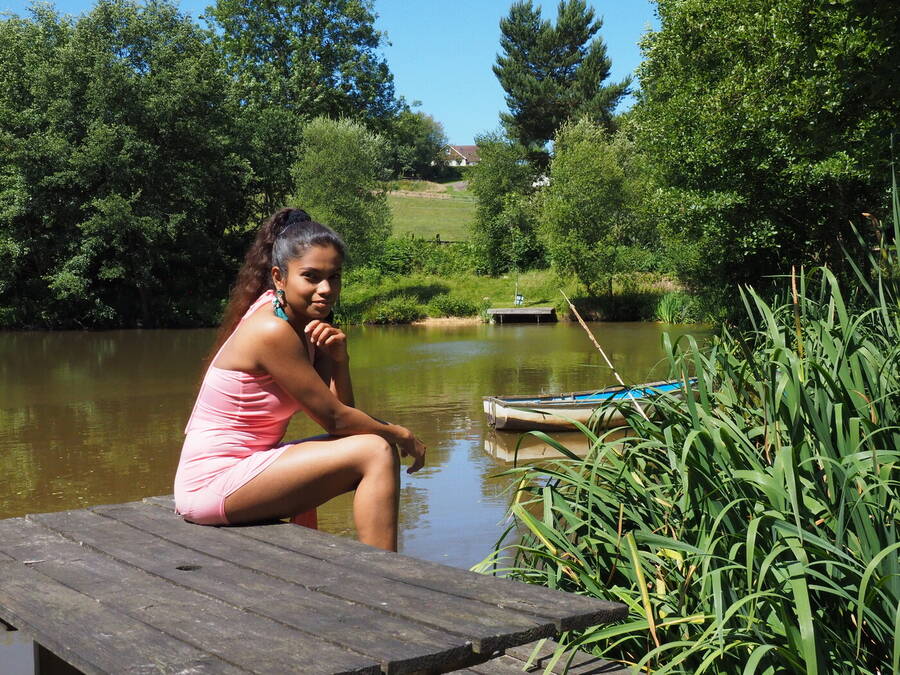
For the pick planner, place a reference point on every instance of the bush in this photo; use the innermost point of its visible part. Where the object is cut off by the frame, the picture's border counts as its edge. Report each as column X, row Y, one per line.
column 408, row 255
column 362, row 276
column 399, row 309
column 447, row 305
column 729, row 92
column 120, row 170
column 677, row 307
column 446, row 259
column 500, row 182
column 398, row 257
column 636, row 303
column 340, row 182
column 592, row 215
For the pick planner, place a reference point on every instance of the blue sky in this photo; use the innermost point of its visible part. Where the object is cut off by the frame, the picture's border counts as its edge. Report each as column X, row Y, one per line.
column 441, row 52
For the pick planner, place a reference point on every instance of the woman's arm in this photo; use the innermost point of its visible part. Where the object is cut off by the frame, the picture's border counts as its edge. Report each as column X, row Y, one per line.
column 282, row 354
column 332, row 360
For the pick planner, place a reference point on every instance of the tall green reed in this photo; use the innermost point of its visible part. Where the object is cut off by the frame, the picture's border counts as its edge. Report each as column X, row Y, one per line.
column 751, row 527
column 675, row 307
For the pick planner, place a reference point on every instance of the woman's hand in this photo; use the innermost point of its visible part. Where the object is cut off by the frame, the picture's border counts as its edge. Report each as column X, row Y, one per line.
column 410, row 446
column 329, row 339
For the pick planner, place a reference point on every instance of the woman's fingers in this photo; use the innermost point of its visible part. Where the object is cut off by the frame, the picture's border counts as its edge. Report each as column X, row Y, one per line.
column 317, row 330
column 418, row 454
column 417, row 464
column 320, row 333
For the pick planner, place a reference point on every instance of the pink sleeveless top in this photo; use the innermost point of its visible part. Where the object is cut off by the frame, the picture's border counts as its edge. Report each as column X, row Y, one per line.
column 236, row 415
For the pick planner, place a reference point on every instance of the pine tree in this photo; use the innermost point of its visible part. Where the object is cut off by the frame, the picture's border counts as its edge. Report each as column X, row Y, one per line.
column 552, row 73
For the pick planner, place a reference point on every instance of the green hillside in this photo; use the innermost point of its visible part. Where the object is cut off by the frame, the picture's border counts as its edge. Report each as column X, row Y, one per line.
column 425, row 217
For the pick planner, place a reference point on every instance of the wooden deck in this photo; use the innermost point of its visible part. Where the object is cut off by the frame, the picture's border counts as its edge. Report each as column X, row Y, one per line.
column 522, row 315
column 132, row 588
column 539, row 656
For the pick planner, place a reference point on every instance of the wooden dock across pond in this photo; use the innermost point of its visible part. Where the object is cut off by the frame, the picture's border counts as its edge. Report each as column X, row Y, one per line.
column 132, row 588
column 522, row 315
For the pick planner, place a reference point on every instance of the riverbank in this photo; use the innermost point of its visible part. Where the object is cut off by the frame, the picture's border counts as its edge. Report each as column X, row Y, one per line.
column 440, row 321
column 373, row 297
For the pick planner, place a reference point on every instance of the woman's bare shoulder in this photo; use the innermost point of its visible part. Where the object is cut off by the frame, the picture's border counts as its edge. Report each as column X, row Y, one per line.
column 257, row 336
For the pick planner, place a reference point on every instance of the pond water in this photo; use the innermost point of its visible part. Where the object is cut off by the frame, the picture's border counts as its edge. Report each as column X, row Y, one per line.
column 93, row 418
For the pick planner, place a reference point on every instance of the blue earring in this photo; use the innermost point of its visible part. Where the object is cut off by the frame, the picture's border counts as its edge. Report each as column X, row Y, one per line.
column 278, row 304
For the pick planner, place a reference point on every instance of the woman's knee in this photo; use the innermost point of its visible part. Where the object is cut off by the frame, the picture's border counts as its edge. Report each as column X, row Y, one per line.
column 377, row 451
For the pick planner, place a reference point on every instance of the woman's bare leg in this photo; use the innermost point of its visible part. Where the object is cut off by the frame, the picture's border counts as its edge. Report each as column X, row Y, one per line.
column 308, row 474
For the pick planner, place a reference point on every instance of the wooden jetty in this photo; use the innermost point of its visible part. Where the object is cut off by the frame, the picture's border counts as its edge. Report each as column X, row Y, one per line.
column 522, row 315
column 132, row 588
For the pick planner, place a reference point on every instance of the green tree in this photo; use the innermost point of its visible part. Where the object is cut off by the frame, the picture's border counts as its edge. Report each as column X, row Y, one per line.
column 552, row 73
column 416, row 141
column 769, row 124
column 293, row 60
column 503, row 228
column 120, row 184
column 593, row 224
column 339, row 181
column 315, row 57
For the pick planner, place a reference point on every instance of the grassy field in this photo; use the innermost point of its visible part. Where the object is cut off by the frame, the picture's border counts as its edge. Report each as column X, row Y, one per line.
column 426, row 216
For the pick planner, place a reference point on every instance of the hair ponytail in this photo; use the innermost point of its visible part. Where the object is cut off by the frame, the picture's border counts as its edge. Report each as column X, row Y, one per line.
column 287, row 233
column 255, row 275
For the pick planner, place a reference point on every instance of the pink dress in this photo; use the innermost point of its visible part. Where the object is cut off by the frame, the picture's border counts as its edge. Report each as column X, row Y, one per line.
column 231, row 436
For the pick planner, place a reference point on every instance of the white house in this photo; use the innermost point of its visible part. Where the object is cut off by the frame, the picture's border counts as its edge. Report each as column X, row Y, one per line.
column 460, row 155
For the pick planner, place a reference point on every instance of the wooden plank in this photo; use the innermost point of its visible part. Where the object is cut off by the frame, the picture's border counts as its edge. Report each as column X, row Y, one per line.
column 522, row 315
column 502, row 665
column 522, row 310
column 566, row 610
column 91, row 637
column 241, row 638
column 399, row 645
column 581, row 663
column 488, row 627
column 536, row 657
column 570, row 612
column 518, row 311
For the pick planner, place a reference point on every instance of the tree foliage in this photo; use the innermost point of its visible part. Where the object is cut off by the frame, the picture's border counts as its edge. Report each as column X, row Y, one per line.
column 552, row 73
column 769, row 123
column 119, row 166
column 340, row 182
column 503, row 228
column 314, row 57
column 292, row 61
column 416, row 141
column 592, row 220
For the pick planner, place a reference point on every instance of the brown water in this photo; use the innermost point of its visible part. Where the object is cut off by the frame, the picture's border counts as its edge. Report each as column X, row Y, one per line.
column 93, row 418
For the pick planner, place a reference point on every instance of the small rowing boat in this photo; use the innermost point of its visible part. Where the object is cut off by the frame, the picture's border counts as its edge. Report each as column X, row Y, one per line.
column 556, row 412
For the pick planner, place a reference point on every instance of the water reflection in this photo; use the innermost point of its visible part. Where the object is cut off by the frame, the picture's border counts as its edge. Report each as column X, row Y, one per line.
column 16, row 653
column 90, row 418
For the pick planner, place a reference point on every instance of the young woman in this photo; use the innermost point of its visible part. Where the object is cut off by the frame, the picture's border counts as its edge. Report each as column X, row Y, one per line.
column 277, row 354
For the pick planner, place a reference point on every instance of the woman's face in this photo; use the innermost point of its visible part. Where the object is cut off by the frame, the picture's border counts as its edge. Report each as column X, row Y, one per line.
column 312, row 283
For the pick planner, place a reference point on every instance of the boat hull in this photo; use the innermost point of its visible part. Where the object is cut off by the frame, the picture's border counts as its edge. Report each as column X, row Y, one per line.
column 513, row 446
column 559, row 413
